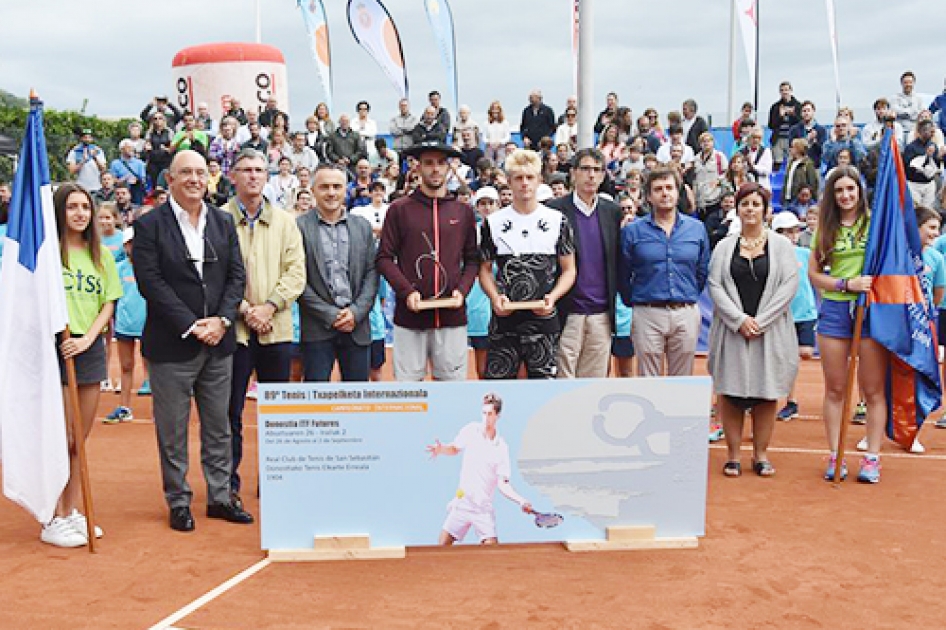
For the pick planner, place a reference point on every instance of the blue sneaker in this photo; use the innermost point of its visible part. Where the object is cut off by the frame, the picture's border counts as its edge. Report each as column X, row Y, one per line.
column 789, row 411
column 145, row 388
column 121, row 414
column 829, row 472
column 870, row 470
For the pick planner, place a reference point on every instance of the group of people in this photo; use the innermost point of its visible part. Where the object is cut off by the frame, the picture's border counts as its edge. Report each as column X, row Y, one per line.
column 239, row 261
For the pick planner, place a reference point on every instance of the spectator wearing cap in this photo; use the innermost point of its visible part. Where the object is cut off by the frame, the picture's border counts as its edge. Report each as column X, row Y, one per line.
column 587, row 310
column 86, row 162
column 160, row 105
column 478, row 308
column 428, row 250
column 130, row 171
column 538, row 121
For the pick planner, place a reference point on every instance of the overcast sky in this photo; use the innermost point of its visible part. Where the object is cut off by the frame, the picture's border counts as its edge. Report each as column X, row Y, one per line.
column 117, row 53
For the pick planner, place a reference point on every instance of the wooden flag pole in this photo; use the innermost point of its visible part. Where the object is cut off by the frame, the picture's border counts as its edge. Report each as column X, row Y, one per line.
column 78, row 445
column 848, row 404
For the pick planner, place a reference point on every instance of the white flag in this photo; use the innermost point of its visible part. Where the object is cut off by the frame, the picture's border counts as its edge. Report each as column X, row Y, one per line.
column 33, row 446
column 748, row 23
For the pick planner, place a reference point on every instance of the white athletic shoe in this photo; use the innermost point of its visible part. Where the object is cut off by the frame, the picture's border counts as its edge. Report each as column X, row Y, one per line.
column 62, row 533
column 862, row 445
column 917, row 448
column 82, row 526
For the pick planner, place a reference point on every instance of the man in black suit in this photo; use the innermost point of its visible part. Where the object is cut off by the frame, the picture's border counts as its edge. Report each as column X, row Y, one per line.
column 584, row 350
column 341, row 283
column 694, row 125
column 190, row 272
column 538, row 121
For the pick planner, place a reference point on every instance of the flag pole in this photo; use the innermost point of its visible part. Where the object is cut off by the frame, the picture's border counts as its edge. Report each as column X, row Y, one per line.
column 848, row 404
column 586, row 34
column 758, row 24
column 78, row 445
column 731, row 101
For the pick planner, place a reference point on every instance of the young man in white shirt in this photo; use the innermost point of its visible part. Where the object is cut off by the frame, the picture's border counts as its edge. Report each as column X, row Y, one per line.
column 485, row 469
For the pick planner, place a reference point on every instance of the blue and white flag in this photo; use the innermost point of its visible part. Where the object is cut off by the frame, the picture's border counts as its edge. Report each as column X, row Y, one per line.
column 33, row 444
column 441, row 22
column 316, row 24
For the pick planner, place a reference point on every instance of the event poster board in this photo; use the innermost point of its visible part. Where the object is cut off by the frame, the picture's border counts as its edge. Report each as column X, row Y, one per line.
column 351, row 459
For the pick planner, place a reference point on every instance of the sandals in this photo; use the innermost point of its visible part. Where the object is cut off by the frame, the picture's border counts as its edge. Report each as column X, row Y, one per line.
column 763, row 468
column 732, row 469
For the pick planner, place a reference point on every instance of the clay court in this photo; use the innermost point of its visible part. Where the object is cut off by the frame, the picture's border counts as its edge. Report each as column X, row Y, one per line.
column 787, row 552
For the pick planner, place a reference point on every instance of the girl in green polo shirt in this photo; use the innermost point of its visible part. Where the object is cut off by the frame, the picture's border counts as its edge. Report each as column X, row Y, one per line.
column 92, row 286
column 837, row 261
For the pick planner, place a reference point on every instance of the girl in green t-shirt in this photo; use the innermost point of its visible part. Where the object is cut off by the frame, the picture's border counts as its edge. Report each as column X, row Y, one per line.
column 837, row 261
column 92, row 286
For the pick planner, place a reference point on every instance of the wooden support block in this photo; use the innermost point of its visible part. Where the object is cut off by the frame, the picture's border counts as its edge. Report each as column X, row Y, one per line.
column 632, row 537
column 337, row 548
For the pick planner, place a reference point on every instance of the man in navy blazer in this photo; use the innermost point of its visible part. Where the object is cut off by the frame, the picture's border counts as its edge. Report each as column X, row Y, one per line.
column 584, row 350
column 190, row 272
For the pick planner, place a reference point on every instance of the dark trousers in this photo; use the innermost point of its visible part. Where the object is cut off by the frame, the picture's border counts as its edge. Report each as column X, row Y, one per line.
column 319, row 359
column 272, row 363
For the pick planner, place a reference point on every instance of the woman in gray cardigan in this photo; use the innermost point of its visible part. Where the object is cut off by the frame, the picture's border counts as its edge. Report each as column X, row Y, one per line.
column 753, row 350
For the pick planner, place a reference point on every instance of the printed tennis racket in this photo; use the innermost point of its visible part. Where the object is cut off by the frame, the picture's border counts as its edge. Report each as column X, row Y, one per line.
column 546, row 521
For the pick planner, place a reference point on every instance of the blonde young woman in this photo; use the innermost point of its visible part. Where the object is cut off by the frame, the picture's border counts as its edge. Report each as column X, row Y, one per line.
column 497, row 133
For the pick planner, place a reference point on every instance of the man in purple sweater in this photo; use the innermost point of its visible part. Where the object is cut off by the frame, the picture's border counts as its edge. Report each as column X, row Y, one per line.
column 587, row 312
column 428, row 251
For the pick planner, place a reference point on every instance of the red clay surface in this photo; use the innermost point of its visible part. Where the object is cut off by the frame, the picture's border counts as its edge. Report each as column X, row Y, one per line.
column 787, row 552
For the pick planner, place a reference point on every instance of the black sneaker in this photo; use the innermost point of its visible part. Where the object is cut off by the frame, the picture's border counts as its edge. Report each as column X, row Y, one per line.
column 789, row 411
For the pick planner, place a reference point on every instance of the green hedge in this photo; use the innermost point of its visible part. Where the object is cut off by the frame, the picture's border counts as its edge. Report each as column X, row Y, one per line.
column 61, row 128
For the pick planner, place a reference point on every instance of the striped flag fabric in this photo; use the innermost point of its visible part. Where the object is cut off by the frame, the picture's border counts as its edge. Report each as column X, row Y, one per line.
column 898, row 315
column 33, row 444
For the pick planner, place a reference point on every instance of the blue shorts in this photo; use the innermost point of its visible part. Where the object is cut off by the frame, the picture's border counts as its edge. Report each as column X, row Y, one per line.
column 805, row 331
column 836, row 319
column 622, row 347
column 377, row 354
column 479, row 342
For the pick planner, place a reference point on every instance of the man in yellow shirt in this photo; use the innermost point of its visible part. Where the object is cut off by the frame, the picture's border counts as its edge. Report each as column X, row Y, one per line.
column 274, row 259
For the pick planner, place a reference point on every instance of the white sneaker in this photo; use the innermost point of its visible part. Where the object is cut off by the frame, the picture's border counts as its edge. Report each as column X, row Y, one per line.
column 79, row 522
column 917, row 448
column 862, row 445
column 62, row 533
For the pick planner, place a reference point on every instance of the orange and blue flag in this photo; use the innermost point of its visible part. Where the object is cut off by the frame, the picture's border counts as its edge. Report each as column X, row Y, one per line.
column 899, row 317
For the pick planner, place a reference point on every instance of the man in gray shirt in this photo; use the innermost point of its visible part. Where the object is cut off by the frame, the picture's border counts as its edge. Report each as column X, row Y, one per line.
column 341, row 283
column 402, row 125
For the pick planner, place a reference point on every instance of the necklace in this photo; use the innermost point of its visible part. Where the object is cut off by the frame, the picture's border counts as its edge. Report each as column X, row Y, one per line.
column 753, row 243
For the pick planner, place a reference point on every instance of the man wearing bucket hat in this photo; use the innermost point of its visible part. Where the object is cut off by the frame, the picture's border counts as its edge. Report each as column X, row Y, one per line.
column 428, row 251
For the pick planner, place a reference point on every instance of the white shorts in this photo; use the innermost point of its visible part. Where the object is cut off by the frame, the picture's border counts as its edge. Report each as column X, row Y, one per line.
column 461, row 515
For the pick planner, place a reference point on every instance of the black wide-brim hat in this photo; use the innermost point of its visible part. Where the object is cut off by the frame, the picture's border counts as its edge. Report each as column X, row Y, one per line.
column 415, row 150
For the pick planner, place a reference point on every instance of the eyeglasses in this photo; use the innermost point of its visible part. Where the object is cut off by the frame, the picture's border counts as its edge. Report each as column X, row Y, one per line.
column 191, row 173
column 258, row 170
column 584, row 168
column 211, row 259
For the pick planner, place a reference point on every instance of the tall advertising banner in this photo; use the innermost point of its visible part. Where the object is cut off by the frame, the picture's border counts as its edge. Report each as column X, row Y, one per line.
column 373, row 29
column 748, row 25
column 521, row 461
column 441, row 22
column 215, row 73
column 316, row 25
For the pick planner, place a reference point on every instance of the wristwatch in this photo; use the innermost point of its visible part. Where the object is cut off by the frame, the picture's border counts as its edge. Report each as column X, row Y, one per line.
column 226, row 322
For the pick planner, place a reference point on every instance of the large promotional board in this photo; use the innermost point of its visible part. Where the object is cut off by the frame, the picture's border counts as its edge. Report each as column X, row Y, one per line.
column 405, row 462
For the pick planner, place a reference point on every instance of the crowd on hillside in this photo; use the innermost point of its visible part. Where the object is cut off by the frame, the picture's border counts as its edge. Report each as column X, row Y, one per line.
column 547, row 258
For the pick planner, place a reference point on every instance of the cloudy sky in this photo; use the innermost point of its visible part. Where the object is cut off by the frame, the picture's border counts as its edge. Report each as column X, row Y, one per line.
column 117, row 53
